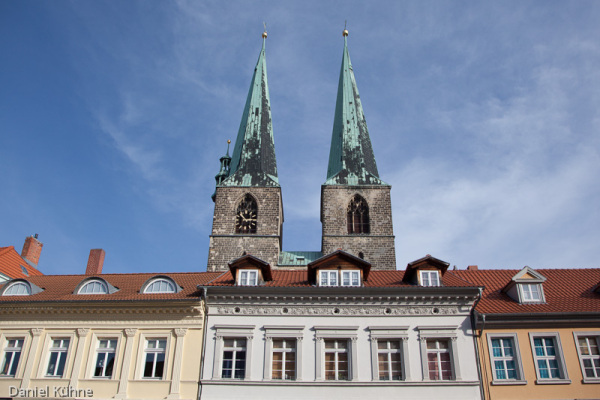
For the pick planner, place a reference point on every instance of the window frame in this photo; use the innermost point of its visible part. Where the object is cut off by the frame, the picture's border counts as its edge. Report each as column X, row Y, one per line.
column 385, row 333
column 524, row 293
column 562, row 366
column 247, row 281
column 155, row 279
column 329, row 273
column 448, row 333
column 6, row 349
column 349, row 333
column 49, row 350
column 105, row 350
column 352, row 273
column 88, row 282
column 287, row 332
column 423, row 272
column 156, row 351
column 92, row 354
column 232, row 332
column 520, row 380
column 141, row 362
column 591, row 334
column 358, row 221
column 14, row 284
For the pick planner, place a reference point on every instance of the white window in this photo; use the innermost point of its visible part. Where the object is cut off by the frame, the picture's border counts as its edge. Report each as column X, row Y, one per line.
column 547, row 355
column 531, row 292
column 234, row 358
column 154, row 363
column 389, row 360
column 284, row 359
column 439, row 352
column 430, row 278
column 336, row 360
column 439, row 363
column 105, row 358
column 588, row 345
column 58, row 357
column 350, row 278
column 12, row 355
column 248, row 277
column 328, row 278
column 94, row 287
column 505, row 358
column 160, row 285
column 17, row 289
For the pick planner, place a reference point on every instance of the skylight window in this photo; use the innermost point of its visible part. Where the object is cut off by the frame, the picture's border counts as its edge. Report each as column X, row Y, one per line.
column 24, row 270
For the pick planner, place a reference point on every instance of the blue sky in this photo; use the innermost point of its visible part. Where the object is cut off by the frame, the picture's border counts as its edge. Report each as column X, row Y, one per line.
column 483, row 117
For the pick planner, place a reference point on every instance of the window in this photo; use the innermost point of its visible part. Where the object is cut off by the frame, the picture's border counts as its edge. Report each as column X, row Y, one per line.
column 248, row 278
column 336, row 359
column 12, row 355
column 358, row 216
column 389, row 358
column 246, row 216
column 284, row 359
column 105, row 358
column 503, row 359
column 17, row 289
column 430, row 278
column 328, row 278
column 234, row 358
column 589, row 356
column 94, row 287
column 160, row 285
column 547, row 355
column 58, row 357
column 350, row 278
column 24, row 270
column 438, row 360
column 531, row 292
column 154, row 364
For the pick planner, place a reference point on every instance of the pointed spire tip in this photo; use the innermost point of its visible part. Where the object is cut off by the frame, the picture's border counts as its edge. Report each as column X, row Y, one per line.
column 264, row 34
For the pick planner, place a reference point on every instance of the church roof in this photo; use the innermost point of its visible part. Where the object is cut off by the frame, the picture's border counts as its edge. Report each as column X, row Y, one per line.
column 351, row 158
column 253, row 161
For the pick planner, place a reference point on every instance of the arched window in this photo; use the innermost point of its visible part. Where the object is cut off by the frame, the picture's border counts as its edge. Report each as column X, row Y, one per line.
column 358, row 216
column 245, row 216
column 18, row 289
column 94, row 287
column 160, row 285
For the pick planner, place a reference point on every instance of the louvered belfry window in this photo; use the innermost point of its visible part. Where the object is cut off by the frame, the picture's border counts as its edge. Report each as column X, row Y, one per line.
column 358, row 216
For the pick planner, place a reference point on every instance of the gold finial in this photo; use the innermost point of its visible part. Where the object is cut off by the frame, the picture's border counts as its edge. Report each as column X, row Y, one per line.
column 228, row 141
column 264, row 35
column 345, row 32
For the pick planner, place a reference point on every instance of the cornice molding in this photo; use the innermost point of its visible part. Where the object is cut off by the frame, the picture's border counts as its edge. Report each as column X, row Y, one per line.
column 30, row 309
column 338, row 310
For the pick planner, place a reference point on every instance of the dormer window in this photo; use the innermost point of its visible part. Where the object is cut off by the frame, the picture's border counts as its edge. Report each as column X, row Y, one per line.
column 526, row 287
column 328, row 278
column 248, row 277
column 94, row 287
column 339, row 278
column 17, row 289
column 530, row 292
column 429, row 278
column 338, row 269
column 161, row 284
column 350, row 278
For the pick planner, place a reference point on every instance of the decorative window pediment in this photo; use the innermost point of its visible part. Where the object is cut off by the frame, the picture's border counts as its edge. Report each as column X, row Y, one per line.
column 338, row 269
column 160, row 284
column 526, row 287
column 19, row 287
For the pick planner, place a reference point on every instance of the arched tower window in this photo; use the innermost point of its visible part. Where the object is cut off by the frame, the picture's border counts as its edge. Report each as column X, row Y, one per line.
column 245, row 217
column 358, row 216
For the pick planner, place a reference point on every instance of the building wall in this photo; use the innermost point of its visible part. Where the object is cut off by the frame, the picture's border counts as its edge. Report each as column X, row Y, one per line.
column 377, row 246
column 183, row 333
column 258, row 385
column 226, row 246
column 532, row 388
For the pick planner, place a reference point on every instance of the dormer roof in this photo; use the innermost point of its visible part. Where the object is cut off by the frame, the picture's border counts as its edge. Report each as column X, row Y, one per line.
column 249, row 261
column 526, row 275
column 341, row 260
column 427, row 262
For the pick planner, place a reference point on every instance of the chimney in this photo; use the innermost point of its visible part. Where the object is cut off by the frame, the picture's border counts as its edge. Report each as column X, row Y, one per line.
column 472, row 268
column 95, row 262
column 32, row 250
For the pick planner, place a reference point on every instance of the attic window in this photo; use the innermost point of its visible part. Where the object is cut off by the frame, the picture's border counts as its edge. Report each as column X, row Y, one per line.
column 248, row 277
column 341, row 278
column 94, row 287
column 531, row 292
column 24, row 270
column 429, row 278
column 160, row 285
column 17, row 289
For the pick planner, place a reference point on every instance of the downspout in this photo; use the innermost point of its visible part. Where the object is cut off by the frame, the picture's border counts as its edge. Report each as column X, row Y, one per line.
column 476, row 340
column 203, row 296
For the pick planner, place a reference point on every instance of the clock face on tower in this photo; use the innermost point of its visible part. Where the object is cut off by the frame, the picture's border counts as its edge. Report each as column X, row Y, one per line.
column 245, row 219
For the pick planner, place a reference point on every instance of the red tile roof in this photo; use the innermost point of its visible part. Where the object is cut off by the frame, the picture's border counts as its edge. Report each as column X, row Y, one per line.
column 565, row 290
column 299, row 278
column 11, row 263
column 61, row 287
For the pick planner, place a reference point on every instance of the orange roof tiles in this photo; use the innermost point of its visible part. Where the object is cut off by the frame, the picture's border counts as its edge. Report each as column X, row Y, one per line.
column 61, row 287
column 565, row 290
column 11, row 263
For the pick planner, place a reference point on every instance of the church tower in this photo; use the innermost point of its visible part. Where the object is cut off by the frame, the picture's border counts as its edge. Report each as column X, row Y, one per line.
column 356, row 208
column 248, row 214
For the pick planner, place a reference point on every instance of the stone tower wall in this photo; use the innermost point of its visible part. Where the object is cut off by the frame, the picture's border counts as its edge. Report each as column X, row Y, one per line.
column 226, row 246
column 378, row 246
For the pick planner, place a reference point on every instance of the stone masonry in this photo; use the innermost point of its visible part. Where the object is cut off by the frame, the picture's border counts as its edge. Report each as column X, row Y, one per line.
column 377, row 247
column 226, row 246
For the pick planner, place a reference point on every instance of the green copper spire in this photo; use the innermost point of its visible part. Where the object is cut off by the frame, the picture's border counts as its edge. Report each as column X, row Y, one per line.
column 351, row 159
column 253, row 162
